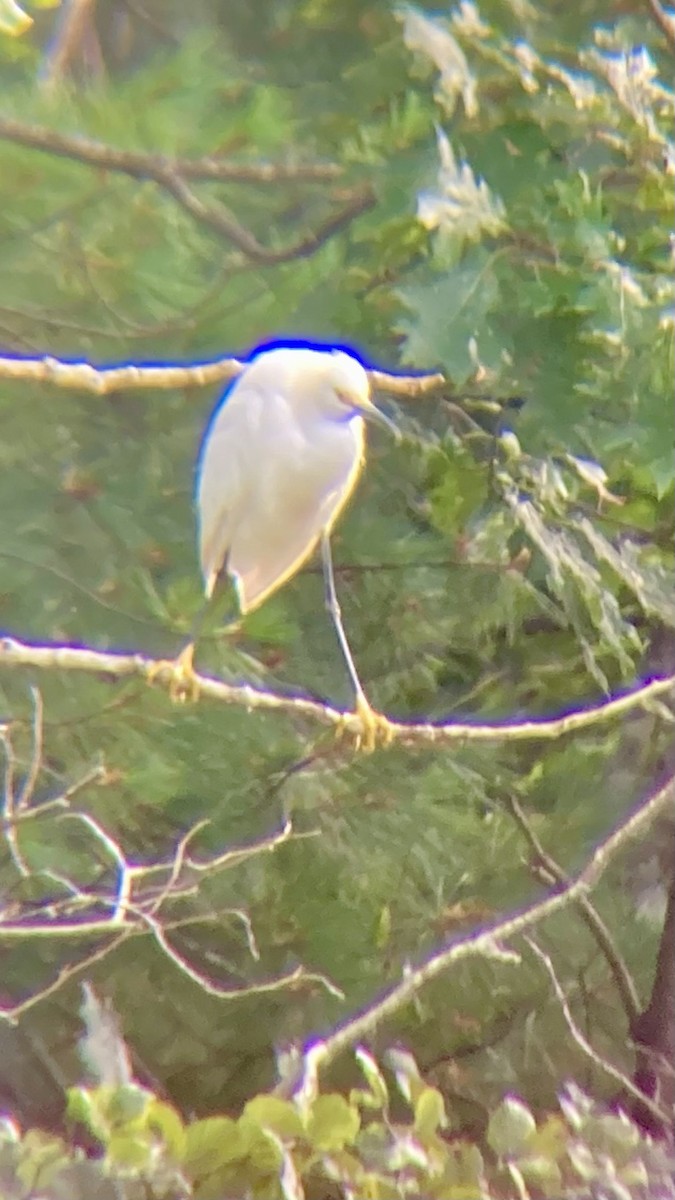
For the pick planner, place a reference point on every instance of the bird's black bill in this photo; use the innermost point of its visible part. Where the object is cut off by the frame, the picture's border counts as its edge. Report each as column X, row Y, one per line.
column 380, row 418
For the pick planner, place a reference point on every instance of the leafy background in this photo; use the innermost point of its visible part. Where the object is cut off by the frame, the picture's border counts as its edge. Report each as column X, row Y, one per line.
column 512, row 557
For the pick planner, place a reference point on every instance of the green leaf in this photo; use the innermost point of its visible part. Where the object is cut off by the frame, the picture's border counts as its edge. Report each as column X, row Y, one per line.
column 14, row 20
column 450, row 323
column 592, row 609
column 82, row 1108
column 406, row 1073
column 332, row 1123
column 374, row 1077
column 271, row 1112
column 463, row 1172
column 510, row 1128
column 129, row 1150
column 165, row 1121
column 652, row 586
column 212, row 1143
column 124, row 1105
column 542, row 1172
column 430, row 1113
column 461, row 206
column 460, row 490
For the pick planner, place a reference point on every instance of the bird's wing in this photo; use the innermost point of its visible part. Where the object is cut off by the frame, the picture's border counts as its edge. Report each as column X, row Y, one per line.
column 224, row 477
column 302, row 482
column 269, row 483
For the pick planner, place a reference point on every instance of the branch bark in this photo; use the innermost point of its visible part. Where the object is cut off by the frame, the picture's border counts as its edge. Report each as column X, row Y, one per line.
column 490, row 942
column 118, row 666
column 154, row 166
column 549, row 872
column 653, row 1033
column 665, row 23
column 172, row 176
column 103, row 381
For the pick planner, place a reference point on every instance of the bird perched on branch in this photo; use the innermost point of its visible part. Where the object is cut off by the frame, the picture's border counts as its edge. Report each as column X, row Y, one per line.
column 279, row 461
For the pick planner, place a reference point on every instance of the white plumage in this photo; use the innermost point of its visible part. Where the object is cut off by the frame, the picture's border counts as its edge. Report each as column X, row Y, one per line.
column 279, row 461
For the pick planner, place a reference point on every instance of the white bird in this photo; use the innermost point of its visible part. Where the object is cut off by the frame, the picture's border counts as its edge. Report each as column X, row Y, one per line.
column 279, row 461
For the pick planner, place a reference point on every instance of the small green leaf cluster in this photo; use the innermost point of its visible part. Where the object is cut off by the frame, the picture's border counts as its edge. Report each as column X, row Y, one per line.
column 357, row 1146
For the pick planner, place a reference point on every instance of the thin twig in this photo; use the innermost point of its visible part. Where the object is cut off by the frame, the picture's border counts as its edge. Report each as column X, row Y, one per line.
column 9, row 817
column 217, row 217
column 96, row 774
column 482, row 943
column 26, row 794
column 549, row 872
column 175, row 868
column 15, row 807
column 74, row 31
column 103, row 381
column 665, row 23
column 597, row 1059
column 12, row 1012
column 173, row 176
column 75, row 658
column 114, row 851
column 293, row 979
column 155, row 166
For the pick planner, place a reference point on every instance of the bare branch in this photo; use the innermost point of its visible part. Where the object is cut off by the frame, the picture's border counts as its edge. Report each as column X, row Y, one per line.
column 482, row 943
column 82, row 376
column 600, row 1062
column 133, row 907
column 9, row 808
column 118, row 666
column 15, row 807
column 155, row 166
column 409, row 387
column 217, row 217
column 292, row 979
column 103, row 381
column 29, row 783
column 173, row 175
column 665, row 22
column 75, row 38
column 548, row 870
column 12, row 1012
column 114, row 850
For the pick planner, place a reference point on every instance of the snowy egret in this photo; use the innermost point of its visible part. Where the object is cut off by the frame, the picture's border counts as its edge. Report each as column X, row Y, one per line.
column 279, row 461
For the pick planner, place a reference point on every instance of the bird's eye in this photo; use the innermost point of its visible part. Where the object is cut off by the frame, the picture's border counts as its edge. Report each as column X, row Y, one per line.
column 348, row 399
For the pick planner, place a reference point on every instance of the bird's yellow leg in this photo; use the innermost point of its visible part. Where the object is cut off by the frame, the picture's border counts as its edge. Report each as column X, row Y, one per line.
column 183, row 682
column 376, row 730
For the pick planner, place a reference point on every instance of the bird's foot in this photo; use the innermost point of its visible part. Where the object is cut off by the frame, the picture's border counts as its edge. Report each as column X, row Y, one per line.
column 183, row 680
column 376, row 730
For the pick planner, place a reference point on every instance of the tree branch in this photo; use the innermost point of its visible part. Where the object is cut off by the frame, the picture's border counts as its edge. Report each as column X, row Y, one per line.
column 155, row 166
column 583, row 1043
column 103, row 381
column 653, row 1032
column 223, row 222
column 548, row 871
column 75, row 39
column 135, row 908
column 75, row 658
column 665, row 23
column 172, row 175
column 485, row 942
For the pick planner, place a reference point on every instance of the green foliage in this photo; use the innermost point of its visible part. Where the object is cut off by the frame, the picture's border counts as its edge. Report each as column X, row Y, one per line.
column 296, row 1148
column 512, row 558
column 15, row 20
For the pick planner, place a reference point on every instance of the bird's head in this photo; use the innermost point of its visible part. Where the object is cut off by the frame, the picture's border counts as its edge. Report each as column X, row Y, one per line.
column 318, row 383
column 343, row 389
